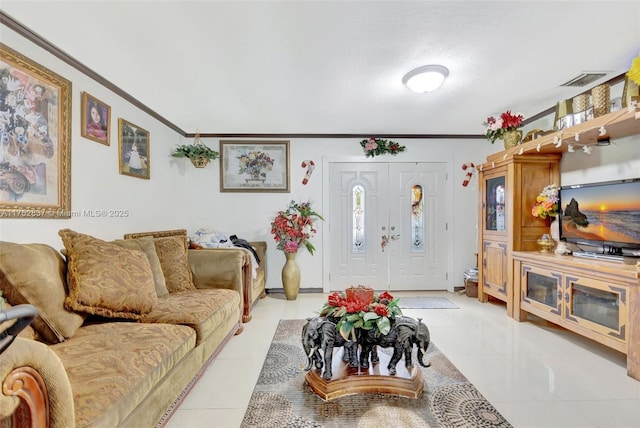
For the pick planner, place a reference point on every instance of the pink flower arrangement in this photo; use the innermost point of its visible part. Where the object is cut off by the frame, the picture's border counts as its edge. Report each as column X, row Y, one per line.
column 293, row 228
column 496, row 127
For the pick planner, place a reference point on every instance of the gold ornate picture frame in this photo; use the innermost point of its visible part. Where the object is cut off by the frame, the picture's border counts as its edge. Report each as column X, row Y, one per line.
column 133, row 150
column 254, row 166
column 35, row 148
column 96, row 120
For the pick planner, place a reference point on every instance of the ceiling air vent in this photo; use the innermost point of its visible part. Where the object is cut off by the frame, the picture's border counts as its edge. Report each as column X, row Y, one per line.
column 584, row 79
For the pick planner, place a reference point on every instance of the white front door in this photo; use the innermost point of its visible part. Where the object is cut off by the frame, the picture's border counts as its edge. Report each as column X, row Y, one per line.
column 387, row 226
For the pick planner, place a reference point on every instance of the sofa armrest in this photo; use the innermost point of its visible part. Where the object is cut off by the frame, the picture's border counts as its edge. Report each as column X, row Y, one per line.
column 261, row 250
column 33, row 376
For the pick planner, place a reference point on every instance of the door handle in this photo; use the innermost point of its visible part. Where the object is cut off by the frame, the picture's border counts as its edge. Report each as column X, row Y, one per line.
column 395, row 237
column 384, row 242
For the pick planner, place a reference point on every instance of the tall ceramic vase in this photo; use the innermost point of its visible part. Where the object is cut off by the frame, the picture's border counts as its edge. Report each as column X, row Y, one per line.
column 290, row 277
column 512, row 138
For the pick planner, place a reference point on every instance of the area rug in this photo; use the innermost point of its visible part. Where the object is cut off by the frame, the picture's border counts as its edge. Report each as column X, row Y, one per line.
column 426, row 303
column 282, row 399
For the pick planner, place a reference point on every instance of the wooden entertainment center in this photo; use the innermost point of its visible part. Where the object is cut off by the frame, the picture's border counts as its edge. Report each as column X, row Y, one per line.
column 599, row 299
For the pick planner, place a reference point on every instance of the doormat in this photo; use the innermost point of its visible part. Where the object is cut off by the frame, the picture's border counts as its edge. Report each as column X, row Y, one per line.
column 281, row 398
column 426, row 303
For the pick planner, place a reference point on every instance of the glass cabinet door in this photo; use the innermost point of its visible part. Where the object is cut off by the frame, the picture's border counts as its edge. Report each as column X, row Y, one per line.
column 597, row 304
column 495, row 204
column 544, row 288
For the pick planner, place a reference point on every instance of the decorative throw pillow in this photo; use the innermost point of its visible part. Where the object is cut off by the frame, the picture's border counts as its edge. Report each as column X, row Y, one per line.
column 36, row 274
column 173, row 255
column 106, row 279
column 148, row 247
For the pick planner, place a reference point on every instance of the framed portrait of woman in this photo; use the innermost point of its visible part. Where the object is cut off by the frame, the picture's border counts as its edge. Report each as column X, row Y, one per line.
column 133, row 150
column 96, row 119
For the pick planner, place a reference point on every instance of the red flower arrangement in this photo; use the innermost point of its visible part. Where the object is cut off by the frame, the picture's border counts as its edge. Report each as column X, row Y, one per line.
column 293, row 228
column 507, row 121
column 360, row 307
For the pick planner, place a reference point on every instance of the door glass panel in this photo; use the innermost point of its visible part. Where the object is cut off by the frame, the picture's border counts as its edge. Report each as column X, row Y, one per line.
column 358, row 238
column 417, row 219
column 495, row 211
column 598, row 306
column 543, row 289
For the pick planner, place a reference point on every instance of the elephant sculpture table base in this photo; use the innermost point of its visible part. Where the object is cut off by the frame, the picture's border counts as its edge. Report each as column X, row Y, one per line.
column 348, row 380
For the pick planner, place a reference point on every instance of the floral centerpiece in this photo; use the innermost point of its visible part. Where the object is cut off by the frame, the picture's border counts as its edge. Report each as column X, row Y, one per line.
column 256, row 164
column 496, row 127
column 377, row 146
column 360, row 307
column 293, row 227
column 546, row 202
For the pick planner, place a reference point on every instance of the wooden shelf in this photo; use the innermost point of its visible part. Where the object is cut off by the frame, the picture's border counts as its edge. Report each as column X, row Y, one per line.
column 617, row 124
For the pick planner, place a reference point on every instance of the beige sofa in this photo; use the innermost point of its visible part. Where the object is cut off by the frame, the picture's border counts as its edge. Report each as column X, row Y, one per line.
column 124, row 329
column 253, row 286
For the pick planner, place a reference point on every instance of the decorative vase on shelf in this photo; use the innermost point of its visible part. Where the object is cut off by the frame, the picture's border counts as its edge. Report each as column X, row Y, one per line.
column 290, row 277
column 512, row 138
column 545, row 243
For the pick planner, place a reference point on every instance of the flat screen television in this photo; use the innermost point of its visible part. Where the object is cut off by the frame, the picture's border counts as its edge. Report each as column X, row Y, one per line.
column 603, row 216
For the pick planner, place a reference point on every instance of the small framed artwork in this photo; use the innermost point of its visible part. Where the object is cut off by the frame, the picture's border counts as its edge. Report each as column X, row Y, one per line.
column 589, row 113
column 96, row 120
column 35, row 139
column 564, row 122
column 133, row 150
column 254, row 166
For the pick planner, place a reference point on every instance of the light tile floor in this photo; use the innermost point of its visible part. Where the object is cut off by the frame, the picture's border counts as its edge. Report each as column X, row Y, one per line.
column 535, row 374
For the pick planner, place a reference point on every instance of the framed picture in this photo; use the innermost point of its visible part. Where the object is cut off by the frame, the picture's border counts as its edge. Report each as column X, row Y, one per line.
column 35, row 148
column 133, row 150
column 254, row 166
column 96, row 119
column 579, row 117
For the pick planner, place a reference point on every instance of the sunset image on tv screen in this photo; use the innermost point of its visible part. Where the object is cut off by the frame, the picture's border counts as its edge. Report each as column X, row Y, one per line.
column 608, row 212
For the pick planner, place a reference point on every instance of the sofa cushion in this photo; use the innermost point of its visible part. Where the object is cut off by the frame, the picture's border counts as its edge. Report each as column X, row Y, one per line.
column 113, row 366
column 147, row 246
column 203, row 310
column 36, row 274
column 106, row 279
column 172, row 252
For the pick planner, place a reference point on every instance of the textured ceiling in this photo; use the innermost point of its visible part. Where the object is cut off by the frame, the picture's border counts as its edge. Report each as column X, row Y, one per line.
column 334, row 67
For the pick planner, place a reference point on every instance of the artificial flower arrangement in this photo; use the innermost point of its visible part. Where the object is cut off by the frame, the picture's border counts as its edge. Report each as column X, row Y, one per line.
column 546, row 202
column 361, row 307
column 293, row 227
column 193, row 151
column 377, row 146
column 496, row 127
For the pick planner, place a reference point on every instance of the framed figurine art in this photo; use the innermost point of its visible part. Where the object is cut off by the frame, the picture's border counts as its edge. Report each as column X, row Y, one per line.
column 35, row 153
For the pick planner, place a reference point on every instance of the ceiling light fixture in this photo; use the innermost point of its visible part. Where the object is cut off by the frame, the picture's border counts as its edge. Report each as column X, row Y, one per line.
column 425, row 79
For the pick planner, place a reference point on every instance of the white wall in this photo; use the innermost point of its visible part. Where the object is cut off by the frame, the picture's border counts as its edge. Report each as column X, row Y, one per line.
column 181, row 196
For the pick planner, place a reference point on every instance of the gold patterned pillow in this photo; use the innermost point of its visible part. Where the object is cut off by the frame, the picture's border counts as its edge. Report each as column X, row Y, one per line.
column 173, row 255
column 105, row 279
column 147, row 246
column 36, row 274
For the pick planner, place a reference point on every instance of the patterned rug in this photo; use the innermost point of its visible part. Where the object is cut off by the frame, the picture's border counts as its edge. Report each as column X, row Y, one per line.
column 426, row 303
column 282, row 399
